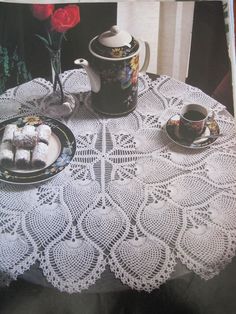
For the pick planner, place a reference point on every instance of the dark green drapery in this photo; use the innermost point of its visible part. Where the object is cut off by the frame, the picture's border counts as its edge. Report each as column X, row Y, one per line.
column 13, row 69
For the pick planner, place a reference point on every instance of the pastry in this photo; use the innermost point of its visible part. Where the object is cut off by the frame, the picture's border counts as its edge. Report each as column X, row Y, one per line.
column 22, row 158
column 6, row 154
column 44, row 133
column 25, row 137
column 39, row 155
column 9, row 132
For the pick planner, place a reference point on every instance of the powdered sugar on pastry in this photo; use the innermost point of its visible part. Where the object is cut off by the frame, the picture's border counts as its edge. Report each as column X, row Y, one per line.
column 39, row 156
column 6, row 154
column 22, row 158
column 44, row 133
column 25, row 137
column 9, row 132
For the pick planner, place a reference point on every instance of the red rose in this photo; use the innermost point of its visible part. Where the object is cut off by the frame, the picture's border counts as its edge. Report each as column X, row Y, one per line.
column 65, row 18
column 42, row 11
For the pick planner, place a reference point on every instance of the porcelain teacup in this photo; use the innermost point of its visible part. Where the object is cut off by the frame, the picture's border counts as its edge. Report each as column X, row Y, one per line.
column 193, row 120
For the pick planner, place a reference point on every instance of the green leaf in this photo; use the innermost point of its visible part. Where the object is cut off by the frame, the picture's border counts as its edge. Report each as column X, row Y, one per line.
column 46, row 43
column 50, row 49
column 49, row 38
column 44, row 40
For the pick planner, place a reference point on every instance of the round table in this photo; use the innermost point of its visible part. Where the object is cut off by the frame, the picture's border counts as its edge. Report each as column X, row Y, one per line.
column 132, row 208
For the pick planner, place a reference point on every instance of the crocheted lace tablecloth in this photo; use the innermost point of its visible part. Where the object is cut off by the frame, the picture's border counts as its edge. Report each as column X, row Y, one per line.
column 130, row 199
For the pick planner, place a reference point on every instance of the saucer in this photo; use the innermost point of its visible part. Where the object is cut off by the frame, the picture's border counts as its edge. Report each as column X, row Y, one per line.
column 172, row 130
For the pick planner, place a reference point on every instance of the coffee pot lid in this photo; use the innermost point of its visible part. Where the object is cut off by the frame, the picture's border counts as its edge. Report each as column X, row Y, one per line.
column 114, row 43
column 115, row 37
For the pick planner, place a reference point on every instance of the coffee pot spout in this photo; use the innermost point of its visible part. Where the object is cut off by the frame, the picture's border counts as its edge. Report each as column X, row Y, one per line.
column 95, row 80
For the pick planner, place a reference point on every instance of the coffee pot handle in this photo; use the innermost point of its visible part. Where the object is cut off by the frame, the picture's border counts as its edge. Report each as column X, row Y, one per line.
column 147, row 58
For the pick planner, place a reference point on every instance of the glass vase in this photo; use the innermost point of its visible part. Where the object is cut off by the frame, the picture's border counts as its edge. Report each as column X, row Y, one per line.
column 55, row 61
column 59, row 103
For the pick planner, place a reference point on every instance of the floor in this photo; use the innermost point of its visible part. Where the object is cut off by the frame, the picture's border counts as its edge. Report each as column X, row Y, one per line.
column 186, row 295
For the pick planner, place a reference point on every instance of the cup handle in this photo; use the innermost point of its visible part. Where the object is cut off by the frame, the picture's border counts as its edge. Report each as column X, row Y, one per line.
column 211, row 116
column 147, row 58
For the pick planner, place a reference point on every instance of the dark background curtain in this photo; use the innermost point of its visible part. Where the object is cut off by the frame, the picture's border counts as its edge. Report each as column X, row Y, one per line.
column 13, row 69
column 209, row 66
column 22, row 54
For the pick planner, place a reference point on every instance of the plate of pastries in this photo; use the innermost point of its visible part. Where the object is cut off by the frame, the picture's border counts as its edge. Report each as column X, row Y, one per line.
column 34, row 149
